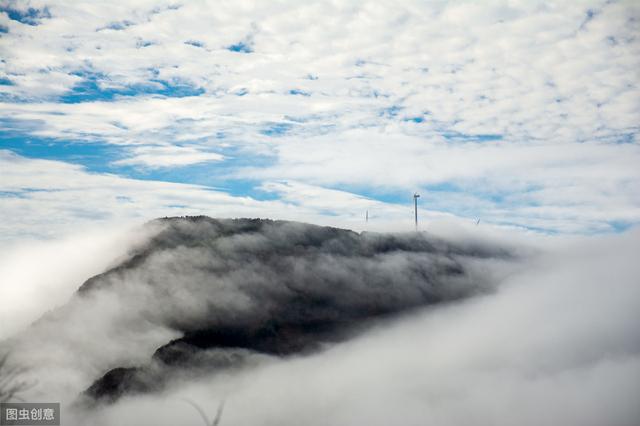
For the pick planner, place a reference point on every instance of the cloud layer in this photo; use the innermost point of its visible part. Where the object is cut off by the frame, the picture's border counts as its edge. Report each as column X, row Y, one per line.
column 522, row 113
column 271, row 288
column 556, row 345
column 555, row 342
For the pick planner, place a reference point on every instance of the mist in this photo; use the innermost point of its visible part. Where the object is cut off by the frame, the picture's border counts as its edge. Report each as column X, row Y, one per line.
column 37, row 275
column 462, row 331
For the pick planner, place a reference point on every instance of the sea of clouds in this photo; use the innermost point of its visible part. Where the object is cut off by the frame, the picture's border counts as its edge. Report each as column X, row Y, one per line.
column 555, row 342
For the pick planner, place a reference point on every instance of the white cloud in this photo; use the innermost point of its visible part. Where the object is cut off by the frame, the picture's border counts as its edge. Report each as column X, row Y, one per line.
column 555, row 344
column 566, row 187
column 167, row 156
column 524, row 114
column 38, row 276
column 43, row 198
column 417, row 80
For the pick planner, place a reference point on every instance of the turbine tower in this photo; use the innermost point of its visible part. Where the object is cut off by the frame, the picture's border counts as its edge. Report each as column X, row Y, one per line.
column 415, row 205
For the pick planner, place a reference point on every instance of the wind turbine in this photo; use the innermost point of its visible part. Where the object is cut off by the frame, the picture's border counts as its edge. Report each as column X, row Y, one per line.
column 415, row 204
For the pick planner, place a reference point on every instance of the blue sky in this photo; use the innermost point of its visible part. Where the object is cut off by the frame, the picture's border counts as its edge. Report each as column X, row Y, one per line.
column 525, row 115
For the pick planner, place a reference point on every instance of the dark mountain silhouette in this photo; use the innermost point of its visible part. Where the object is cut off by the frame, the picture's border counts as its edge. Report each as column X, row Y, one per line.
column 238, row 290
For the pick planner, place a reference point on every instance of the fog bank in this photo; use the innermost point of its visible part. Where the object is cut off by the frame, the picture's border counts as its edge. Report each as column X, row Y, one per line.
column 362, row 329
column 557, row 344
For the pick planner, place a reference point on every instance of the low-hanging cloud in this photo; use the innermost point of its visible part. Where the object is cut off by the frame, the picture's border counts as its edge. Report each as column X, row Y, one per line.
column 549, row 338
column 38, row 275
column 267, row 287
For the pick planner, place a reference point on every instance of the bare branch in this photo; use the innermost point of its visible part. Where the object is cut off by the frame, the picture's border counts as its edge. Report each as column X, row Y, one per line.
column 11, row 385
column 216, row 421
column 203, row 414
